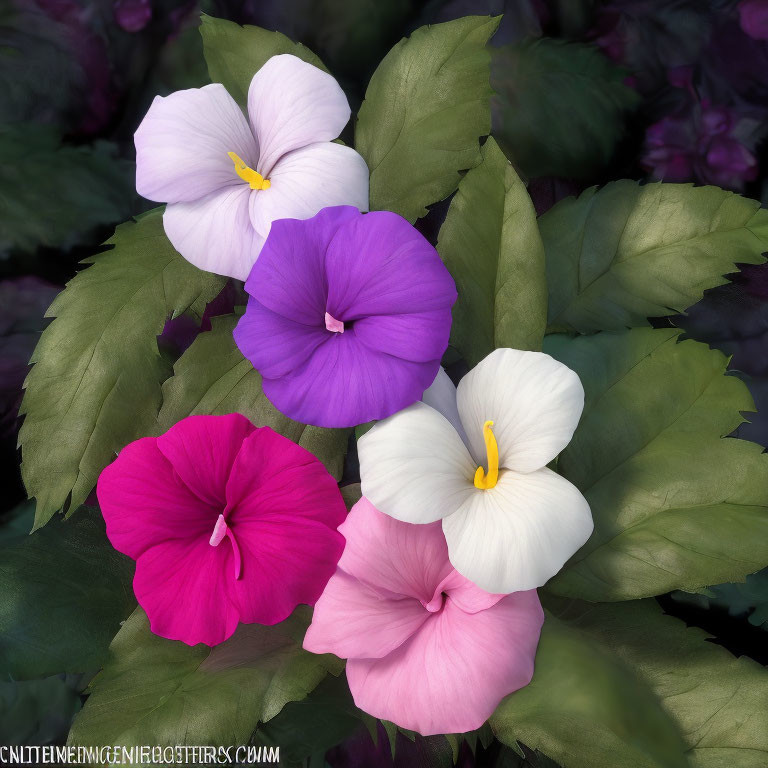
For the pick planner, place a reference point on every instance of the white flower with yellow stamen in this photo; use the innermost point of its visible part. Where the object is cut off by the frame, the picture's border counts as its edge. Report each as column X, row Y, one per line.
column 226, row 177
column 476, row 459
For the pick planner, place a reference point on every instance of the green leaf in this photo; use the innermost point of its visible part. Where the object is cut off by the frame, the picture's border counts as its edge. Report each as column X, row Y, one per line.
column 324, row 718
column 63, row 593
column 626, row 252
column 37, row 711
column 96, row 381
column 675, row 505
column 425, row 108
column 152, row 689
column 491, row 245
column 559, row 108
column 718, row 702
column 749, row 598
column 33, row 210
column 587, row 709
column 213, row 377
column 234, row 54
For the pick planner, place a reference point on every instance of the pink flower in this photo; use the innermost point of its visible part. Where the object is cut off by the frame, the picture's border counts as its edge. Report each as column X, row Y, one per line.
column 427, row 649
column 227, row 522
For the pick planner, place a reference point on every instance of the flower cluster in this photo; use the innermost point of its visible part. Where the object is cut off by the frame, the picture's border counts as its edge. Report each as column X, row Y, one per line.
column 435, row 569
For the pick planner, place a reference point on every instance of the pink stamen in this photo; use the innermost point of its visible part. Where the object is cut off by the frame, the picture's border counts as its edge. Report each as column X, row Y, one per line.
column 220, row 530
column 332, row 324
column 435, row 604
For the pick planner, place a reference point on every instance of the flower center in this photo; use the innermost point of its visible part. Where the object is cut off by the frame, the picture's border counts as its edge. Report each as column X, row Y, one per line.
column 221, row 530
column 483, row 481
column 255, row 179
column 332, row 324
column 436, row 603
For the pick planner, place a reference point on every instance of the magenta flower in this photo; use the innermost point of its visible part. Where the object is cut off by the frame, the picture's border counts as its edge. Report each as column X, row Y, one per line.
column 227, row 522
column 348, row 316
column 426, row 648
column 227, row 178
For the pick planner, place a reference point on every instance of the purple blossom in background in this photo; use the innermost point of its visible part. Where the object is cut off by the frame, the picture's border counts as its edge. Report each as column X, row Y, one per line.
column 23, row 302
column 132, row 15
column 753, row 17
column 707, row 143
column 348, row 317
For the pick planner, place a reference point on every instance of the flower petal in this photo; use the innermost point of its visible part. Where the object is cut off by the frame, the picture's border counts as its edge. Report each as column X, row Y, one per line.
column 289, row 277
column 202, row 450
column 415, row 467
column 274, row 344
column 285, row 561
column 309, row 179
column 145, row 502
column 419, row 336
column 441, row 395
column 292, row 104
column 183, row 141
column 352, row 620
column 468, row 596
column 346, row 383
column 431, row 683
column 391, row 557
column 215, row 232
column 284, row 512
column 534, row 401
column 379, row 264
column 183, row 586
column 520, row 533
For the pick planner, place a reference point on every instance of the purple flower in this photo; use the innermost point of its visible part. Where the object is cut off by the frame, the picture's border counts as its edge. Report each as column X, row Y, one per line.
column 132, row 15
column 753, row 17
column 706, row 143
column 348, row 316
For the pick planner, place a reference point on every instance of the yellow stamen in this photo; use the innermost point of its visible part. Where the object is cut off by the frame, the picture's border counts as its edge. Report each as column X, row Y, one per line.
column 255, row 179
column 483, row 481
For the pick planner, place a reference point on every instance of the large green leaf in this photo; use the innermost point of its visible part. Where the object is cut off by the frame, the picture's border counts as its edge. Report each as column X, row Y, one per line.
column 626, row 252
column 212, row 376
column 490, row 243
column 234, row 54
column 33, row 210
column 425, row 108
column 96, row 381
column 559, row 108
column 63, row 593
column 675, row 505
column 157, row 691
column 587, row 709
column 718, row 702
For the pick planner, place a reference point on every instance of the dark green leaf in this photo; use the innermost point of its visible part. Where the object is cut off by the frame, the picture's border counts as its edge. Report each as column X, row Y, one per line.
column 749, row 598
column 54, row 195
column 96, row 381
column 621, row 254
column 313, row 725
column 425, row 108
column 234, row 54
column 559, row 108
column 675, row 505
column 718, row 702
column 587, row 709
column 157, row 691
column 37, row 712
column 490, row 243
column 63, row 593
column 212, row 376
